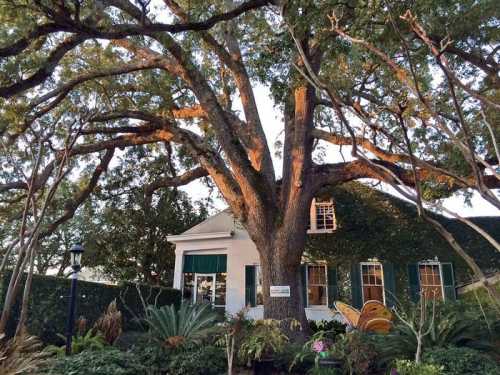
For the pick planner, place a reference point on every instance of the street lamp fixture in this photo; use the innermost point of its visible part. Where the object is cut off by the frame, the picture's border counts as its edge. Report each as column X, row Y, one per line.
column 76, row 253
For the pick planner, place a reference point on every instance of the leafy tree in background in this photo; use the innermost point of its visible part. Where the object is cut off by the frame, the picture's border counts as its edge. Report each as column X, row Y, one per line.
column 410, row 88
column 124, row 231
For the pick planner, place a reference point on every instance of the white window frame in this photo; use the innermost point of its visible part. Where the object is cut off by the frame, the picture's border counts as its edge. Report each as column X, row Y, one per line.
column 195, row 286
column 307, row 284
column 432, row 263
column 362, row 283
column 313, row 219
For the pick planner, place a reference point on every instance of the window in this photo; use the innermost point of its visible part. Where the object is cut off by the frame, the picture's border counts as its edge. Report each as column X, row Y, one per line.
column 220, row 289
column 322, row 216
column 188, row 286
column 372, row 281
column 430, row 280
column 316, row 285
column 203, row 287
column 259, row 298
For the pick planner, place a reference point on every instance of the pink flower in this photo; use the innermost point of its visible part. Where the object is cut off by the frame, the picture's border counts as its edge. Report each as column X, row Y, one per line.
column 318, row 346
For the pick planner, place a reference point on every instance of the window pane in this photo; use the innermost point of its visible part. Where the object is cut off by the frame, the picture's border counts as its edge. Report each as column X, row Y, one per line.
column 220, row 289
column 373, row 292
column 316, row 285
column 324, row 214
column 188, row 286
column 430, row 281
column 372, row 281
column 316, row 295
column 258, row 287
column 204, row 289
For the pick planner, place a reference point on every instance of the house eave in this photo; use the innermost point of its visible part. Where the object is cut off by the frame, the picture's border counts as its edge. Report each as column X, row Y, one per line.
column 199, row 236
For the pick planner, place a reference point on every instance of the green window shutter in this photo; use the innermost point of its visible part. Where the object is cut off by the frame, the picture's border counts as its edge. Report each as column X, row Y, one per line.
column 414, row 282
column 333, row 292
column 389, row 284
column 448, row 282
column 250, row 293
column 303, row 279
column 357, row 296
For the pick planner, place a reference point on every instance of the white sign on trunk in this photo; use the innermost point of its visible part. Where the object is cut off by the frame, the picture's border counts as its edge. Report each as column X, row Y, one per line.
column 279, row 291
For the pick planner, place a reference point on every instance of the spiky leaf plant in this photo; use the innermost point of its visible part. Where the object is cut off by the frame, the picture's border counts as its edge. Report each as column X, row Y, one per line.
column 110, row 323
column 20, row 355
column 179, row 328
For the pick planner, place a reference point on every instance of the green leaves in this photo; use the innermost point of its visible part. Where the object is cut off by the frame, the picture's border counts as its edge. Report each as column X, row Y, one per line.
column 176, row 329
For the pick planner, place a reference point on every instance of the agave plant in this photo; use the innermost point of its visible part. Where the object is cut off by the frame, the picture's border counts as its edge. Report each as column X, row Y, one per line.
column 20, row 355
column 178, row 328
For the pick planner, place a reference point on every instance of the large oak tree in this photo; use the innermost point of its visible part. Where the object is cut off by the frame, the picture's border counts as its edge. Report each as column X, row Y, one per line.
column 408, row 88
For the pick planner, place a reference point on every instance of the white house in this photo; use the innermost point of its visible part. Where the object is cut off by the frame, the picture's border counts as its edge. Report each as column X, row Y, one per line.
column 217, row 262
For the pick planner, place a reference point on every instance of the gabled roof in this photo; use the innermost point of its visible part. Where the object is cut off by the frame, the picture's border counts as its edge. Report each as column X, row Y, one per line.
column 220, row 225
column 220, row 222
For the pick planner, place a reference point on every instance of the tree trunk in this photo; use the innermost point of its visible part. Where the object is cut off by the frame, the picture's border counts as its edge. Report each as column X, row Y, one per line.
column 280, row 264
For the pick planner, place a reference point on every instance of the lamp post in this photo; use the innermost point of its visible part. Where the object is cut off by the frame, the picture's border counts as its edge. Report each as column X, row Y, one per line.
column 76, row 253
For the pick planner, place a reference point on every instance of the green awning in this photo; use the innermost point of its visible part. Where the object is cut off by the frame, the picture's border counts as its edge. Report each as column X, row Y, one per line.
column 205, row 263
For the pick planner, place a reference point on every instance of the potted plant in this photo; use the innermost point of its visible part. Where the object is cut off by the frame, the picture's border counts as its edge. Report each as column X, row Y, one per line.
column 261, row 344
column 318, row 349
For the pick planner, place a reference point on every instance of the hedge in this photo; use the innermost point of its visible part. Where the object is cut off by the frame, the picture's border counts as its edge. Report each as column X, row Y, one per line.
column 50, row 298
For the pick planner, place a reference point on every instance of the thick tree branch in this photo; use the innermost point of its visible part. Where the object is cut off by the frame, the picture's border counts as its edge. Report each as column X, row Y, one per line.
column 338, row 173
column 70, row 206
column 259, row 152
column 176, row 181
column 46, row 70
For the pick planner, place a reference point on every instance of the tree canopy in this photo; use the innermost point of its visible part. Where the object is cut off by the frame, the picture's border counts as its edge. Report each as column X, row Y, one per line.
column 409, row 88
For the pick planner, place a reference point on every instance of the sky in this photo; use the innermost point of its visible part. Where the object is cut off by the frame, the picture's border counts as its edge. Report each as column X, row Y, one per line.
column 273, row 127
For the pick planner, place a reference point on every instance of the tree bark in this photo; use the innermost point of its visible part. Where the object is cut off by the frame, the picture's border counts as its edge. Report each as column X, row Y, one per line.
column 280, row 259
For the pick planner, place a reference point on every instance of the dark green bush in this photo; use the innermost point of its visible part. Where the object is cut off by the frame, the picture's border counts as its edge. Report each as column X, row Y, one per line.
column 103, row 362
column 334, row 327
column 49, row 304
column 461, row 361
column 205, row 360
column 284, row 359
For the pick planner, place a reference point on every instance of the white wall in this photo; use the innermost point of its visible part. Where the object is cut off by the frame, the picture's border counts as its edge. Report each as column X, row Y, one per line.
column 240, row 251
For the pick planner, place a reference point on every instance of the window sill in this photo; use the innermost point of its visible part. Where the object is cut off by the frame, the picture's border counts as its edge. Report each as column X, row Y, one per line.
column 318, row 307
column 320, row 231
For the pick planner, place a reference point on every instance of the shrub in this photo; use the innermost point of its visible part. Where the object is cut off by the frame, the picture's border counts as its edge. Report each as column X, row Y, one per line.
column 407, row 367
column 20, row 355
column 357, row 352
column 183, row 327
column 291, row 358
column 110, row 323
column 205, row 360
column 81, row 342
column 49, row 305
column 104, row 362
column 264, row 340
column 457, row 361
column 130, row 339
column 333, row 327
column 447, row 329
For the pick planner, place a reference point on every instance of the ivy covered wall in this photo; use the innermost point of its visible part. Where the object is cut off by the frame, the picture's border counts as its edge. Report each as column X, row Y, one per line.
column 372, row 224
